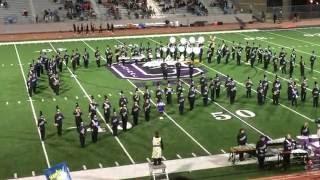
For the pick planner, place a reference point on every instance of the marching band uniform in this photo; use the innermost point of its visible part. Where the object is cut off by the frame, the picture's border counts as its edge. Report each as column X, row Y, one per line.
column 261, row 148
column 233, row 91
column 312, row 60
column 260, row 94
column 124, row 117
column 295, row 94
column 304, row 86
column 191, row 97
column 205, row 95
column 106, row 109
column 218, row 85
column 315, row 94
column 191, row 66
column 114, row 123
column 135, row 113
column 249, row 87
column 212, row 88
column 41, row 125
column 178, row 69
column 181, row 103
column 302, row 67
column 82, row 134
column 77, row 116
column 147, row 109
column 58, row 118
column 305, row 130
column 288, row 145
column 242, row 140
column 168, row 91
column 94, row 128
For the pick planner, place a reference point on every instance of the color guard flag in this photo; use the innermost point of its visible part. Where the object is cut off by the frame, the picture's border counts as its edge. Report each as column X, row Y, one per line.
column 58, row 172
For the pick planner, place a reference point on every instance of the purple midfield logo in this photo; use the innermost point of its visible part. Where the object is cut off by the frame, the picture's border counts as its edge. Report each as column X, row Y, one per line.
column 150, row 71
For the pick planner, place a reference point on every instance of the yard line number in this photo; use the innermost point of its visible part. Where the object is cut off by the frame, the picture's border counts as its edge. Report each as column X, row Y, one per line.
column 312, row 35
column 257, row 38
column 221, row 116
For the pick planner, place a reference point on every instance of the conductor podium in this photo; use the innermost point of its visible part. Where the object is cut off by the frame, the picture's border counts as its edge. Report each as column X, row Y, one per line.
column 158, row 171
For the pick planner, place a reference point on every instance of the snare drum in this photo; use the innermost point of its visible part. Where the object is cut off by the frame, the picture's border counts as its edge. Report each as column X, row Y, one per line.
column 313, row 138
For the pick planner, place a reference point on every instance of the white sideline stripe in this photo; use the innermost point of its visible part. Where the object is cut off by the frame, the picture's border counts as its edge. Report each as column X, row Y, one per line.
column 181, row 128
column 100, row 165
column 116, row 163
column 257, row 130
column 179, row 156
column 124, row 37
column 101, row 116
column 148, row 159
column 65, row 98
column 33, row 109
column 84, row 167
column 224, row 107
column 267, row 97
column 194, row 155
column 288, row 37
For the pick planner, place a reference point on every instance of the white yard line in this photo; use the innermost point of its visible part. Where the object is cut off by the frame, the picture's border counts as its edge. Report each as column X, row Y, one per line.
column 169, row 117
column 33, row 109
column 101, row 116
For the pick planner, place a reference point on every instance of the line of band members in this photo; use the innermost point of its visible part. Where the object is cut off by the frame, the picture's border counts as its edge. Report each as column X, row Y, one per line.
column 289, row 144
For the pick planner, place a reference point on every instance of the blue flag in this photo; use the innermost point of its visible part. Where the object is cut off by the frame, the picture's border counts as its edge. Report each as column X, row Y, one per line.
column 58, row 172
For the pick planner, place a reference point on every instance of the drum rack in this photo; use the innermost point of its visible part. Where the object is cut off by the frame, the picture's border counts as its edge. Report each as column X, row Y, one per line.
column 158, row 171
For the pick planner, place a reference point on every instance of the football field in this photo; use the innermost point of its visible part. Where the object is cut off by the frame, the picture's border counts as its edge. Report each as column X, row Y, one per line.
column 204, row 131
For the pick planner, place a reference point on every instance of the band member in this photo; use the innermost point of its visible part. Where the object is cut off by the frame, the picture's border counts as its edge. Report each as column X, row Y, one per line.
column 302, row 66
column 212, row 87
column 164, row 69
column 192, row 96
column 123, row 100
column 275, row 94
column 98, row 57
column 92, row 108
column 106, row 109
column 124, row 117
column 288, row 145
column 135, row 113
column 191, row 66
column 291, row 67
column 157, row 145
column 95, row 128
column 168, row 91
column 260, row 94
column 218, row 85
column 265, row 84
column 85, row 58
column 161, row 107
column 295, row 95
column 77, row 116
column 247, row 50
column 304, row 131
column 147, row 109
column 136, row 96
column 261, row 148
column 312, row 60
column 82, row 134
column 227, row 85
column 181, row 103
column 233, row 51
column 249, row 87
column 239, row 52
column 58, row 118
column 304, row 86
column 41, row 125
column 315, row 94
column 114, row 123
column 233, row 91
column 242, row 140
column 159, row 92
column 205, row 95
column 73, row 62
column 275, row 61
column 179, row 89
column 178, row 69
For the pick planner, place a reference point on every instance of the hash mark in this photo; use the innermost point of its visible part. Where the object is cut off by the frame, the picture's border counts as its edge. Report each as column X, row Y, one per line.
column 178, row 156
column 100, row 165
column 194, row 155
column 117, row 164
column 84, row 167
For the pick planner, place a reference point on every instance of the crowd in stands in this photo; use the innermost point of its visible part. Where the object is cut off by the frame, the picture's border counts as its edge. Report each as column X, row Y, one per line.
column 79, row 9
column 193, row 6
column 4, row 3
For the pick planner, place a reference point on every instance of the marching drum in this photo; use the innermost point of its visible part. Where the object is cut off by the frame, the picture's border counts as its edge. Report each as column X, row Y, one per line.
column 196, row 50
column 313, row 138
column 183, row 41
column 303, row 140
column 181, row 49
column 201, row 40
column 172, row 40
column 164, row 49
column 189, row 50
column 172, row 49
column 192, row 40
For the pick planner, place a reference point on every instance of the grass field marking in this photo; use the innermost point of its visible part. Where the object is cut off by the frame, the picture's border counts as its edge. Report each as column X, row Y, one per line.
column 284, row 106
column 194, row 154
column 65, row 98
column 99, row 96
column 42, row 100
column 110, row 94
column 314, row 78
column 33, row 173
column 124, row 37
column 116, row 163
column 164, row 158
column 234, row 115
column 19, row 102
column 15, row 175
column 178, row 155
column 148, row 160
column 169, row 117
column 100, row 165
column 77, row 97
column 54, row 99
column 101, row 116
column 84, row 167
column 7, row 103
column 288, row 37
column 33, row 109
column 284, row 47
column 223, row 151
